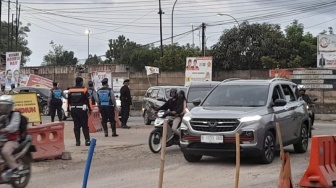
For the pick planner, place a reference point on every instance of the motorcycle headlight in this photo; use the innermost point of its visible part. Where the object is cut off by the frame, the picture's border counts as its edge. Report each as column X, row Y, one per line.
column 160, row 114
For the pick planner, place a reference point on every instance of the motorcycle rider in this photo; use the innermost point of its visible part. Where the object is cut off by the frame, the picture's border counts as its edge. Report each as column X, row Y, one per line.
column 306, row 98
column 175, row 106
column 10, row 127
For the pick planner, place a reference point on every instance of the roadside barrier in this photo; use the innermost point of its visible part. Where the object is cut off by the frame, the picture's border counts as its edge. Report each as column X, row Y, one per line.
column 116, row 118
column 321, row 171
column 94, row 121
column 48, row 140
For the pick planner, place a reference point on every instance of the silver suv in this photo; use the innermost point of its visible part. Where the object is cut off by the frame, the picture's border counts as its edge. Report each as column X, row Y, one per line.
column 250, row 108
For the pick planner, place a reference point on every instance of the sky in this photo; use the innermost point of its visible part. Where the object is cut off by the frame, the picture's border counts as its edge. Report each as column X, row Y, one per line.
column 64, row 21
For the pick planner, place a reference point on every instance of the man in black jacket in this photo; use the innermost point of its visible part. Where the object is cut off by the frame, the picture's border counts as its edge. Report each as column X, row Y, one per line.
column 175, row 106
column 126, row 103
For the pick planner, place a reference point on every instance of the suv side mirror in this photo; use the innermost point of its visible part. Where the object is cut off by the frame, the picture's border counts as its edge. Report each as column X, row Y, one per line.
column 160, row 99
column 280, row 102
column 197, row 102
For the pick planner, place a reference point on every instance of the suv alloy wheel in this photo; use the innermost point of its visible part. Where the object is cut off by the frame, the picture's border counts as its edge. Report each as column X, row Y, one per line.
column 302, row 145
column 268, row 153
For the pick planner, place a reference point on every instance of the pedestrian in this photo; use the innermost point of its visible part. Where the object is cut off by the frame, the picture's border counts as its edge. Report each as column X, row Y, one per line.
column 12, row 89
column 107, row 104
column 126, row 103
column 55, row 102
column 3, row 92
column 92, row 92
column 79, row 107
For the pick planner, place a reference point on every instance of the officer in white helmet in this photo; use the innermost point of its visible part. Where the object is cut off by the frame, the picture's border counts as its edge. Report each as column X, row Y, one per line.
column 9, row 129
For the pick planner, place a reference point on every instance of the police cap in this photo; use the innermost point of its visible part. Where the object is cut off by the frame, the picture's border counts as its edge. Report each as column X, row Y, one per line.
column 127, row 80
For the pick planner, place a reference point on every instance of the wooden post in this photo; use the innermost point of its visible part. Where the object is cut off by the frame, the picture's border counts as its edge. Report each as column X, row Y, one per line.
column 163, row 152
column 237, row 159
column 278, row 130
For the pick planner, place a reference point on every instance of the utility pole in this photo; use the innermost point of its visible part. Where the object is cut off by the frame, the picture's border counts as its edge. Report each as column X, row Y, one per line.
column 12, row 33
column 16, row 21
column 203, row 39
column 8, row 26
column 17, row 28
column 0, row 26
column 193, row 41
column 160, row 13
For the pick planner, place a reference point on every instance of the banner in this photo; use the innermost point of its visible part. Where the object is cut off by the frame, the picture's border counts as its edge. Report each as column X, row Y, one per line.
column 326, row 59
column 198, row 69
column 27, row 104
column 97, row 77
column 151, row 70
column 117, row 84
column 38, row 81
column 326, row 43
column 13, row 63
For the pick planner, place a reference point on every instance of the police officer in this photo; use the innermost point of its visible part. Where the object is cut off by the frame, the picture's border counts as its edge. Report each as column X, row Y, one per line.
column 126, row 103
column 107, row 105
column 92, row 92
column 55, row 102
column 79, row 106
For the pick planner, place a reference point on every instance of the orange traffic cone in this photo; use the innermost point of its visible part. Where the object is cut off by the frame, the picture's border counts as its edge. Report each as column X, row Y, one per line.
column 285, row 177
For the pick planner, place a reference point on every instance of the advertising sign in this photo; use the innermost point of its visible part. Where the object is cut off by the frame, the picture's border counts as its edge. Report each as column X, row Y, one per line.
column 326, row 43
column 311, row 78
column 27, row 104
column 326, row 59
column 117, row 84
column 198, row 69
column 97, row 77
column 151, row 70
column 38, row 81
column 13, row 63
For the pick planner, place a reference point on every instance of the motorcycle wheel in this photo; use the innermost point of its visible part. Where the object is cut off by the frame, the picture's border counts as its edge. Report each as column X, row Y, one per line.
column 23, row 180
column 155, row 141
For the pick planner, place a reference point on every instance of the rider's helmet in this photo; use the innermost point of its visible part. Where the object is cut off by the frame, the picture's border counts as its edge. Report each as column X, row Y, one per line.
column 6, row 104
column 173, row 90
column 181, row 93
column 302, row 88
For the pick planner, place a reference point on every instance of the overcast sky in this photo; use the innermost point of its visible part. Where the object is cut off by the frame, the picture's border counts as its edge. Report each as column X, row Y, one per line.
column 64, row 22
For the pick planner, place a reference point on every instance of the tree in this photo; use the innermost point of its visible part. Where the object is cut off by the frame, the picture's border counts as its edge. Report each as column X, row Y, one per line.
column 59, row 56
column 22, row 42
column 94, row 60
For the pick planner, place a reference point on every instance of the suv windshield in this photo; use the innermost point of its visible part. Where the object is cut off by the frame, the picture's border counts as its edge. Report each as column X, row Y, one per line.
column 238, row 95
column 197, row 92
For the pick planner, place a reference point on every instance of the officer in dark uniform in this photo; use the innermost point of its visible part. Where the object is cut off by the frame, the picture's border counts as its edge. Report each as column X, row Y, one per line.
column 107, row 105
column 126, row 103
column 79, row 106
column 55, row 102
column 92, row 92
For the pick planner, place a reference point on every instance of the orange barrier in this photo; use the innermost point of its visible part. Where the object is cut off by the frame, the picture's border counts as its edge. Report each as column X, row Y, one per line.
column 321, row 171
column 116, row 118
column 48, row 140
column 94, row 121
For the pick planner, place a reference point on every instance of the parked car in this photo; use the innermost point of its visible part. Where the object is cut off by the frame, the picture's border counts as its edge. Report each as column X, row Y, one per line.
column 155, row 97
column 198, row 90
column 42, row 97
column 250, row 108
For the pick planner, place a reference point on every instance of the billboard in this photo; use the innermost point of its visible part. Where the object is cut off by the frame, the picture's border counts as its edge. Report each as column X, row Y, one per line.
column 326, row 51
column 13, row 63
column 326, row 59
column 198, row 69
column 27, row 104
column 118, row 82
column 97, row 77
column 311, row 78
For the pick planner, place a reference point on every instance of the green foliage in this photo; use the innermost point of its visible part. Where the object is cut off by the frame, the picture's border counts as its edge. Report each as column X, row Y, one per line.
column 22, row 41
column 94, row 60
column 59, row 56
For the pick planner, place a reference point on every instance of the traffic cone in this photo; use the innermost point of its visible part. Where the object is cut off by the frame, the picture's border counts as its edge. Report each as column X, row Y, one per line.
column 285, row 177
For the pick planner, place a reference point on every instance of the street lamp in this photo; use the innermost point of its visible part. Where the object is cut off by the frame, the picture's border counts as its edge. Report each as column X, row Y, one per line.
column 220, row 14
column 172, row 25
column 87, row 31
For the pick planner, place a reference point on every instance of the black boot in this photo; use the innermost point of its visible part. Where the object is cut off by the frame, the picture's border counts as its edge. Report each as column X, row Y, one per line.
column 105, row 129
column 77, row 136
column 87, row 137
column 114, row 130
column 124, row 126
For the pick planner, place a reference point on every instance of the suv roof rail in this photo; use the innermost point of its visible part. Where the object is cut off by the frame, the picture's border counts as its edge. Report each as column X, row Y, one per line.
column 275, row 79
column 231, row 79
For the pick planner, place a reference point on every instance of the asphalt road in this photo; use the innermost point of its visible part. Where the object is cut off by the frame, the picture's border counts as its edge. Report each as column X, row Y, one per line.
column 127, row 162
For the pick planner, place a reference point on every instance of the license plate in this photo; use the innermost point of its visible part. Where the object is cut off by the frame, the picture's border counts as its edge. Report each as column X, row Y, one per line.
column 211, row 139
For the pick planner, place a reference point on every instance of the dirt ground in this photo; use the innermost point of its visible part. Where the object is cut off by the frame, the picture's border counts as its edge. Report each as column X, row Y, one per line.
column 127, row 162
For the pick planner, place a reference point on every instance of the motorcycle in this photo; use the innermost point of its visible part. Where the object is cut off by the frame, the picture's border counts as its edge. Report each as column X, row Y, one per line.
column 155, row 137
column 23, row 156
